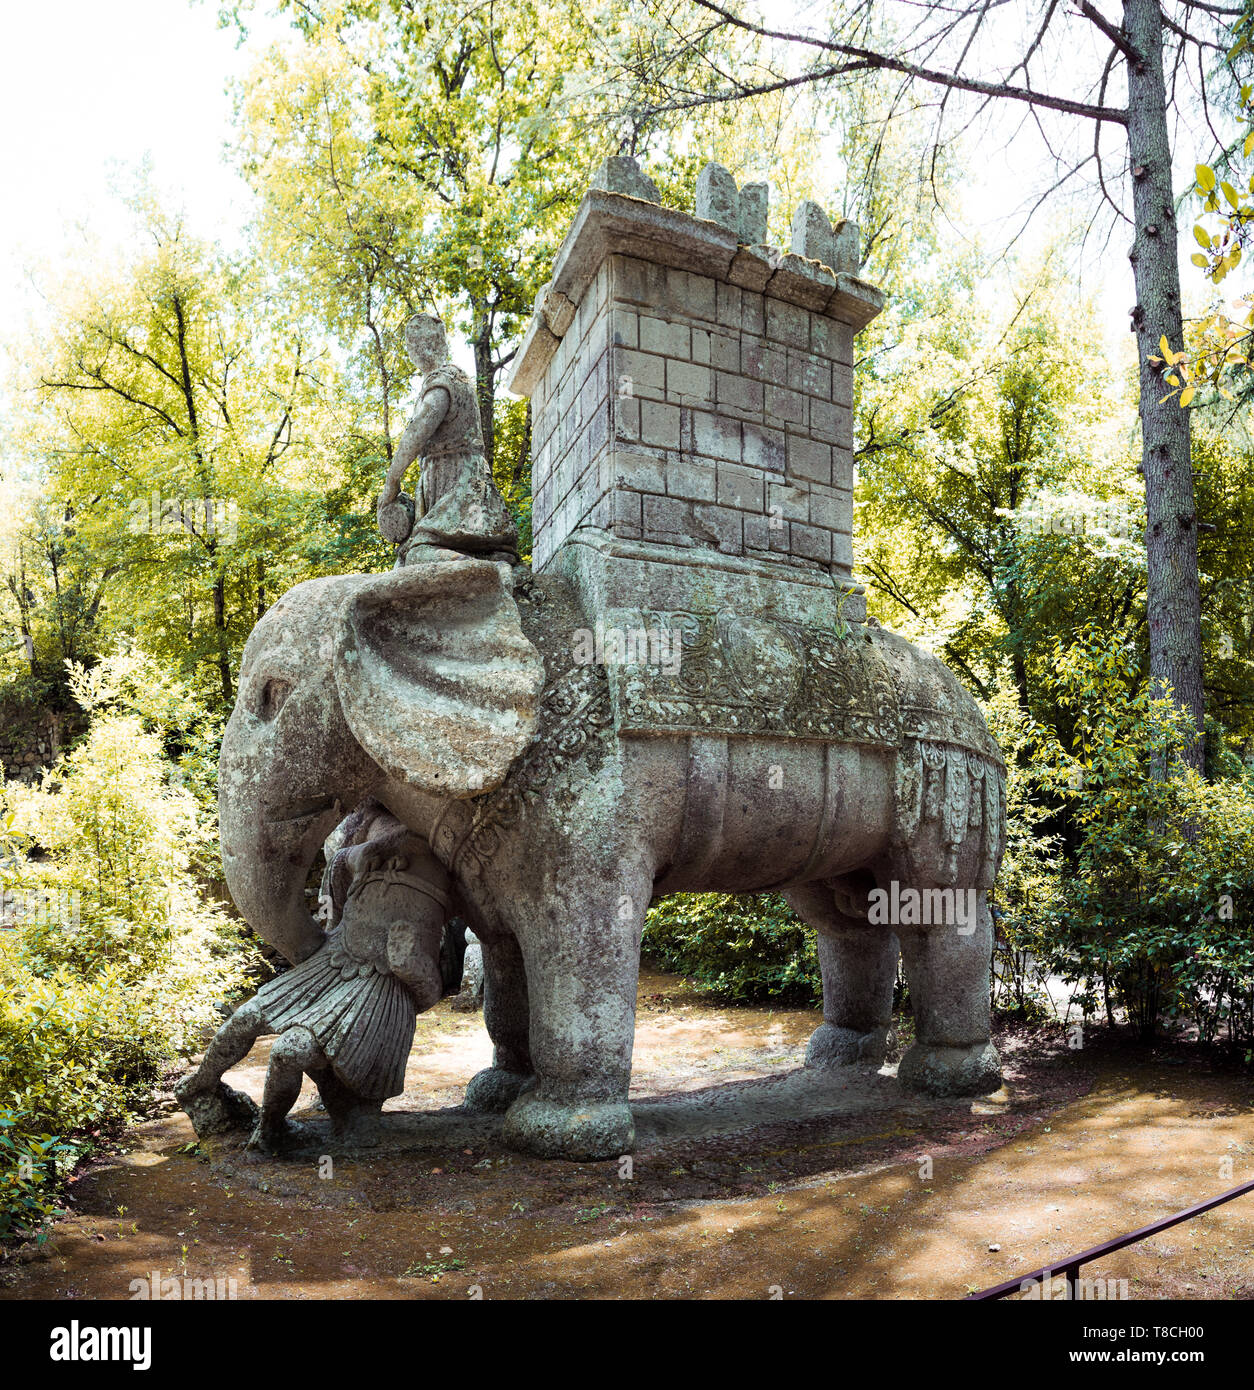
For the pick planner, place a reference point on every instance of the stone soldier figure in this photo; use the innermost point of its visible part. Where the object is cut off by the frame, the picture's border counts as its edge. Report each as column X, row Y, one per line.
column 458, row 510
column 344, row 1016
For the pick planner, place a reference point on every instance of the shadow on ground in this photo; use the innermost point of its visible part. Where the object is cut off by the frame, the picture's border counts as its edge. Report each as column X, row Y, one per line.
column 752, row 1178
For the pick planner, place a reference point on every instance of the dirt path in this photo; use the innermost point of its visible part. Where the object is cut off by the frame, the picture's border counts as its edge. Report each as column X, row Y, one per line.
column 749, row 1177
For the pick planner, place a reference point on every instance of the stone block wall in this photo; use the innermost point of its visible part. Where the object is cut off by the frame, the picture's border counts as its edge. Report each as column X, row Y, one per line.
column 691, row 391
column 25, row 752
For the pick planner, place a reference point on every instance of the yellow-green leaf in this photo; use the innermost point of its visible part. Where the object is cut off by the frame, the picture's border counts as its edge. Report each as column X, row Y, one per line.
column 1205, row 177
column 1231, row 194
column 1198, row 259
column 1186, row 395
column 1201, row 238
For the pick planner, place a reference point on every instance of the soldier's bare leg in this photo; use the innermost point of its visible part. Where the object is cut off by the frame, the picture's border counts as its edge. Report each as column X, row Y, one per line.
column 213, row 1107
column 295, row 1053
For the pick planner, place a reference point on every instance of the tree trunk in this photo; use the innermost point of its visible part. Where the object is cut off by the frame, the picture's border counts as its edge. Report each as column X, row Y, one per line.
column 224, row 653
column 523, row 459
column 1173, row 601
column 485, row 381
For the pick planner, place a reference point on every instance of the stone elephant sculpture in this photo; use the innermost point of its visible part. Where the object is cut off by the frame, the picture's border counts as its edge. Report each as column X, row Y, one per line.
column 459, row 706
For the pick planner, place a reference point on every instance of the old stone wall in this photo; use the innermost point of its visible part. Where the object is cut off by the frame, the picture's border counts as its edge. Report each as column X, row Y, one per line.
column 26, row 748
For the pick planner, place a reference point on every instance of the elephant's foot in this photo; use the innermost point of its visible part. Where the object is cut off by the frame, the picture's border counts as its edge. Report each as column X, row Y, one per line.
column 568, row 1129
column 974, row 1070
column 833, row 1046
column 493, row 1090
column 218, row 1110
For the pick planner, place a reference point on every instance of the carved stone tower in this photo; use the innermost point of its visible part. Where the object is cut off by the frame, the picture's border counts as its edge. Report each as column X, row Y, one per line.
column 691, row 388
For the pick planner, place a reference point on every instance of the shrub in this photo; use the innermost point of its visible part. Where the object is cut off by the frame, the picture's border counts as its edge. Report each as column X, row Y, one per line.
column 1154, row 914
column 738, row 947
column 1029, row 888
column 113, row 966
column 29, row 1168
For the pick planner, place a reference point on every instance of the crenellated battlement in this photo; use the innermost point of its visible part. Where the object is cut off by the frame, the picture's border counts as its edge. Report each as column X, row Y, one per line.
column 691, row 386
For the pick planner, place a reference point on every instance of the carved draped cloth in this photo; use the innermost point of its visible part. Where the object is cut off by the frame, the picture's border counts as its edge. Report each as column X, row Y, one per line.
column 458, row 506
column 361, row 1014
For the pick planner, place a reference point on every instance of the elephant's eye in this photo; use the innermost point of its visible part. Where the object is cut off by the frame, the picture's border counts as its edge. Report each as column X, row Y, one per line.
column 273, row 697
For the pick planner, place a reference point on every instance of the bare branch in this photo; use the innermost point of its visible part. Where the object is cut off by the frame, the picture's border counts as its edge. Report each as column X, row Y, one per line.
column 1114, row 34
column 862, row 59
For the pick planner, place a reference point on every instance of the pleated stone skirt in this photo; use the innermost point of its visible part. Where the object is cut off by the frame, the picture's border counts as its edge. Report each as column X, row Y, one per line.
column 361, row 1015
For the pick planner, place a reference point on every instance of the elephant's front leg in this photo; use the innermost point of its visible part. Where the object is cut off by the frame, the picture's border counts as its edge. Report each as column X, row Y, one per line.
column 506, row 1015
column 582, row 950
column 947, row 968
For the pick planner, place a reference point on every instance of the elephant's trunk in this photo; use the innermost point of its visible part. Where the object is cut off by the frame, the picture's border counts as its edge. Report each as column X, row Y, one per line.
column 268, row 849
column 267, row 880
column 269, row 894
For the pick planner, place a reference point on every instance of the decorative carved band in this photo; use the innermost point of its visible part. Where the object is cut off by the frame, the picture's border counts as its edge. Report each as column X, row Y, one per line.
column 574, row 712
column 750, row 675
column 958, row 796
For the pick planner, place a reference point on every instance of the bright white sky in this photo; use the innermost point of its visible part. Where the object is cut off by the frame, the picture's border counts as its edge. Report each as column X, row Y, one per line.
column 87, row 89
column 90, row 89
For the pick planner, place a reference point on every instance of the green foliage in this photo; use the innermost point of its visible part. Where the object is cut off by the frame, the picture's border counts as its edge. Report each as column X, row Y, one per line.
column 1153, row 913
column 30, row 1165
column 1029, row 886
column 113, row 964
column 738, row 947
column 997, row 503
column 511, row 467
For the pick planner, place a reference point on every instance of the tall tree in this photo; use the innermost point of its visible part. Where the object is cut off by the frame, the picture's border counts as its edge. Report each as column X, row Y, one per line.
column 1034, row 57
column 415, row 155
column 168, row 398
column 425, row 154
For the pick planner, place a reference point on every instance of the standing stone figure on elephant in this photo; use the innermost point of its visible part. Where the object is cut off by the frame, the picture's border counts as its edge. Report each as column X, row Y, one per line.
column 458, row 510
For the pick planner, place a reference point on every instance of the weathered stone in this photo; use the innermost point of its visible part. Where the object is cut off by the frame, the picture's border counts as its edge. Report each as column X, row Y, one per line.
column 803, row 282
column 470, row 996
column 812, row 235
column 717, row 200
column 558, row 311
column 754, row 205
column 619, row 173
column 571, row 743
column 854, row 301
column 345, row 1014
column 753, row 267
column 848, row 247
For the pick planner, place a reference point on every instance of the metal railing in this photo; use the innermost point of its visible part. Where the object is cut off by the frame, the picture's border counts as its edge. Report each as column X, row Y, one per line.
column 1071, row 1266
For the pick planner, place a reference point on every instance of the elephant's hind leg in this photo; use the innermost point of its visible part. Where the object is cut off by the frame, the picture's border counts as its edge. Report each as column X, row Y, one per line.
column 947, row 967
column 859, row 966
column 507, row 1019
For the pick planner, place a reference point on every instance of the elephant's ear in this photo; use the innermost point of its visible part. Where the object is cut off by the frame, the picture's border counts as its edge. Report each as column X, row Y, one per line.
column 437, row 681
